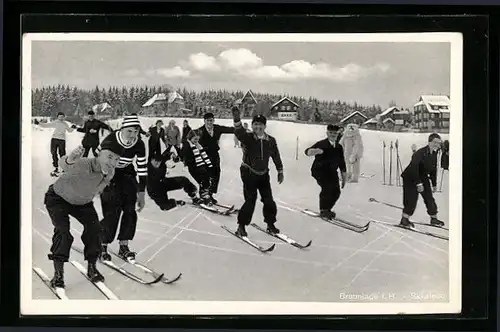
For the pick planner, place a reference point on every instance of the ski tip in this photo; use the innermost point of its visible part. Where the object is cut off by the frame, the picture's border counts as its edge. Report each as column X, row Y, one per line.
column 158, row 279
column 271, row 248
column 308, row 244
column 371, row 199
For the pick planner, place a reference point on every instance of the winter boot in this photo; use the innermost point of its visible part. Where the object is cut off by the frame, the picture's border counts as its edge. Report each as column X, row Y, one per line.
column 125, row 253
column 213, row 200
column 436, row 222
column 58, row 279
column 272, row 229
column 93, row 274
column 405, row 222
column 241, row 231
column 196, row 200
column 105, row 256
column 327, row 214
column 55, row 172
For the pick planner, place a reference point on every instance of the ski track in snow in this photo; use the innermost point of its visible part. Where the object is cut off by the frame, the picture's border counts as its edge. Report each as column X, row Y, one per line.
column 217, row 266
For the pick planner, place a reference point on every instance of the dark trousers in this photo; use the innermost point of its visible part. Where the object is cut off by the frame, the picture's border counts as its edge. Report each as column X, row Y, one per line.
column 88, row 148
column 410, row 198
column 330, row 192
column 203, row 177
column 119, row 199
column 57, row 145
column 154, row 150
column 215, row 170
column 159, row 191
column 59, row 212
column 251, row 184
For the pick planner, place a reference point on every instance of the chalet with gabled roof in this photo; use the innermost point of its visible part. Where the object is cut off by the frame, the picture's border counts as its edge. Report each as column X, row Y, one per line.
column 432, row 112
column 355, row 117
column 247, row 104
column 285, row 109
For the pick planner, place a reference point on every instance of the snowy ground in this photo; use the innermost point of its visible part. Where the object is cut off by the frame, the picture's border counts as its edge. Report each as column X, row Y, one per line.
column 218, row 266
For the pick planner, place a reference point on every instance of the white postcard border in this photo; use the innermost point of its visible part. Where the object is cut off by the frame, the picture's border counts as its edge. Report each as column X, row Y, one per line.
column 30, row 306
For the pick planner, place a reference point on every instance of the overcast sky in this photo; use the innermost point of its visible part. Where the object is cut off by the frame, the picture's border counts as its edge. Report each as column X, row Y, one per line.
column 369, row 73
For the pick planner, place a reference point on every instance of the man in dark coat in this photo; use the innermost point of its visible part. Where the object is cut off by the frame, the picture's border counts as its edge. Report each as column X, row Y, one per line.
column 91, row 129
column 258, row 147
column 155, row 134
column 210, row 134
column 445, row 155
column 420, row 177
column 328, row 159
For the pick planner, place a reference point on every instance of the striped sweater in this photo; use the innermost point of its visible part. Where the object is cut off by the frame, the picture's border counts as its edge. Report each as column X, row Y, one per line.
column 195, row 156
column 136, row 149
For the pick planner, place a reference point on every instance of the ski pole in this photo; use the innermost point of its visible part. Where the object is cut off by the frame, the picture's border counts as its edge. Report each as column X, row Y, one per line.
column 390, row 164
column 441, row 182
column 383, row 160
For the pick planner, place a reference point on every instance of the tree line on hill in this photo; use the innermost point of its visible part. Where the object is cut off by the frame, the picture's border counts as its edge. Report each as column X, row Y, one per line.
column 75, row 103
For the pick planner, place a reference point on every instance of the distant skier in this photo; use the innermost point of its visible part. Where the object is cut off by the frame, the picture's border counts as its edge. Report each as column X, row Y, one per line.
column 420, row 177
column 445, row 155
column 122, row 195
column 173, row 136
column 71, row 195
column 258, row 147
column 91, row 129
column 199, row 165
column 159, row 185
column 156, row 134
column 209, row 139
column 185, row 130
column 328, row 159
column 58, row 140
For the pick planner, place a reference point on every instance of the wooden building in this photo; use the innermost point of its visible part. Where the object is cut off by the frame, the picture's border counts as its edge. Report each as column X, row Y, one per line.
column 285, row 109
column 355, row 117
column 432, row 112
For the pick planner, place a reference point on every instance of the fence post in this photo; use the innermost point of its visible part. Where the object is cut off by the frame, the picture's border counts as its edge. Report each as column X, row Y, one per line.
column 297, row 149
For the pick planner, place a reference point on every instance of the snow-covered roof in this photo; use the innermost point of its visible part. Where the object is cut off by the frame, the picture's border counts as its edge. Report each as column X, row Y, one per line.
column 163, row 97
column 389, row 110
column 249, row 92
column 100, row 107
column 285, row 98
column 351, row 115
column 372, row 120
column 387, row 120
column 435, row 100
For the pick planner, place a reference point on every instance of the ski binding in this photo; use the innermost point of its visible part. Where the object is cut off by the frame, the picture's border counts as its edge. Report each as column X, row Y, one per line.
column 59, row 292
column 339, row 222
column 283, row 238
column 250, row 242
column 99, row 284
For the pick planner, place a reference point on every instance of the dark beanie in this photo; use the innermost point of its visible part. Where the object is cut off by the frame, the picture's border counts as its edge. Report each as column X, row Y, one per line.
column 110, row 143
column 260, row 119
column 208, row 116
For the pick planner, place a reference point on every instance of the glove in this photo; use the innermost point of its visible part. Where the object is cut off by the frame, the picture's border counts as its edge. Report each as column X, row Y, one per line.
column 236, row 114
column 140, row 201
column 420, row 187
column 73, row 126
column 434, row 189
column 344, row 179
column 36, row 122
column 281, row 177
column 93, row 131
column 313, row 152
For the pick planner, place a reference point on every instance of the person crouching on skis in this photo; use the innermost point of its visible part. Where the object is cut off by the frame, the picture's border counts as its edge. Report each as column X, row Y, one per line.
column 158, row 185
column 71, row 195
column 418, row 177
column 199, row 165
column 328, row 159
column 257, row 147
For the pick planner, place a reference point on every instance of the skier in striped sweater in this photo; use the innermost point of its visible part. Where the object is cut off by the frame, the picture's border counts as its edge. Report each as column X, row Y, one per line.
column 199, row 165
column 124, row 192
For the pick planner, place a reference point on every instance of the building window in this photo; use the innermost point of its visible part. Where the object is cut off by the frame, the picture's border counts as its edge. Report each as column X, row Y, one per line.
column 446, row 115
column 446, row 124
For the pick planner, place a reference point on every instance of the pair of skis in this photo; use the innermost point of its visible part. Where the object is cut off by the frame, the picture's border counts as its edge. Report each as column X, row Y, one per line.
column 283, row 237
column 339, row 222
column 438, row 236
column 158, row 277
column 219, row 209
column 61, row 292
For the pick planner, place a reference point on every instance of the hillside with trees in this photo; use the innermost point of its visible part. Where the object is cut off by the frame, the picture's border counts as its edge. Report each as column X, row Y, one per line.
column 75, row 103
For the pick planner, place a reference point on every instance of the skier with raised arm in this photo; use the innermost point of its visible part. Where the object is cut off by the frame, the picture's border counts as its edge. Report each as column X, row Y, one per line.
column 258, row 147
column 91, row 129
column 71, row 195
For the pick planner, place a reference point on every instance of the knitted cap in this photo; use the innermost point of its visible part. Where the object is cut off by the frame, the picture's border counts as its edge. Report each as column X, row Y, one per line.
column 259, row 119
column 131, row 121
column 110, row 143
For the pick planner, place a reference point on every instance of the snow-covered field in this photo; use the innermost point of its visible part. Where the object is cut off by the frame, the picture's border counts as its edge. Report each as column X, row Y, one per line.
column 218, row 266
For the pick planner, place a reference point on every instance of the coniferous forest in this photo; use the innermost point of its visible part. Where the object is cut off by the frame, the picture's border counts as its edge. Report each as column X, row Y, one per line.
column 75, row 102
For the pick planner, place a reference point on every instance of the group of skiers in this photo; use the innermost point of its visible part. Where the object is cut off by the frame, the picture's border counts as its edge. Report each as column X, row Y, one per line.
column 112, row 176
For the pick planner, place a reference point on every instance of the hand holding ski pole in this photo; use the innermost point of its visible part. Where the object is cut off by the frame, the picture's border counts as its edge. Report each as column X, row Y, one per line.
column 281, row 177
column 140, row 201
